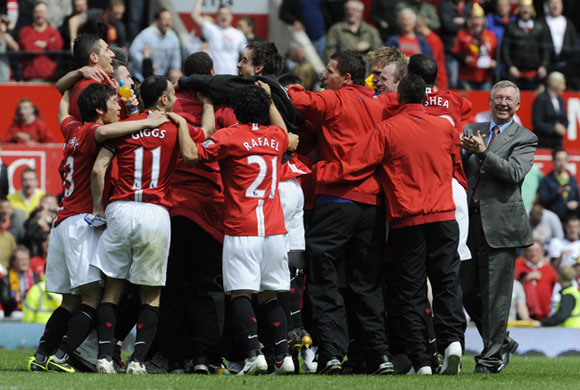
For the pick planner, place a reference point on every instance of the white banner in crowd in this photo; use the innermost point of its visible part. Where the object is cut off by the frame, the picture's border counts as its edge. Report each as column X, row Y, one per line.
column 252, row 7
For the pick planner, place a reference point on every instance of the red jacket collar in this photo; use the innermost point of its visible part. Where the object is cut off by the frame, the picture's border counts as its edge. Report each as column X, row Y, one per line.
column 413, row 109
column 361, row 89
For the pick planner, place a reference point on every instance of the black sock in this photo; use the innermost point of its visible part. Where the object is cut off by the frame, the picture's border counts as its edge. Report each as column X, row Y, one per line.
column 129, row 309
column 284, row 299
column 106, row 319
column 296, row 289
column 244, row 323
column 146, row 331
column 54, row 331
column 81, row 324
column 275, row 326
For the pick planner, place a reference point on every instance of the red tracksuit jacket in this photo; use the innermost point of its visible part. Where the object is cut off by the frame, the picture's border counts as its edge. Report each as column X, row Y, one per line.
column 344, row 116
column 416, row 153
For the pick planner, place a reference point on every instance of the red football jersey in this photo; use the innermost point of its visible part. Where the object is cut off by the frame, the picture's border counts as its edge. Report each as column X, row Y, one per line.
column 146, row 162
column 249, row 156
column 78, row 156
column 75, row 93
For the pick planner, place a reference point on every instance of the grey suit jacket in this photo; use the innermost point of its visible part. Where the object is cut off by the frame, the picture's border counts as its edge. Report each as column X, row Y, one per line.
column 509, row 158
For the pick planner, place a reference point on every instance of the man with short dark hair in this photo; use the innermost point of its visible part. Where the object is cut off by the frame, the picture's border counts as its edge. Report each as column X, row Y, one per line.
column 137, row 252
column 423, row 233
column 28, row 198
column 347, row 223
column 73, row 241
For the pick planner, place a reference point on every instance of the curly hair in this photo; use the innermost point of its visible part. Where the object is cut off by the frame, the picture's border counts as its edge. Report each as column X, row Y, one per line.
column 251, row 104
column 198, row 63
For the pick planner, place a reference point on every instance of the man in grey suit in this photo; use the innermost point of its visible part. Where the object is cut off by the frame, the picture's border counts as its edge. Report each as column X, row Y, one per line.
column 497, row 155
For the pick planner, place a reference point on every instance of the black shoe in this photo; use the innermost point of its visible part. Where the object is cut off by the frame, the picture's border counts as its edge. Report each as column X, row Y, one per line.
column 512, row 346
column 331, row 367
column 381, row 366
column 482, row 370
column 401, row 364
column 200, row 365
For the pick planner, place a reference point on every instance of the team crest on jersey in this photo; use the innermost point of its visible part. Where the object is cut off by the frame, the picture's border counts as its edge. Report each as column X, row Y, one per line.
column 72, row 143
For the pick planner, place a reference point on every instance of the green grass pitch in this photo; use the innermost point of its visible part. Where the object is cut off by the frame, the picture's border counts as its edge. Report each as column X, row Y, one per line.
column 532, row 372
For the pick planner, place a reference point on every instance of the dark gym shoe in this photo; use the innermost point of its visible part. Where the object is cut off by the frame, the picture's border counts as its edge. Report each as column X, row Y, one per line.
column 381, row 366
column 332, row 367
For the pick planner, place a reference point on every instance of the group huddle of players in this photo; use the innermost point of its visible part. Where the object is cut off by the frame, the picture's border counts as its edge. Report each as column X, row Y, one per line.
column 187, row 220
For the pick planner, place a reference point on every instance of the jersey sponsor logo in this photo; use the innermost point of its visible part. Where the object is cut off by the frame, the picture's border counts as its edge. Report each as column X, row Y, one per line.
column 149, row 133
column 262, row 141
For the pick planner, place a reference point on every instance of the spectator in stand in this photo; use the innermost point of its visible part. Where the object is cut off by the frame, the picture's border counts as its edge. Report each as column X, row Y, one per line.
column 438, row 49
column 57, row 9
column 27, row 127
column 38, row 262
column 40, row 222
column 518, row 308
column 530, row 187
column 383, row 15
column 12, row 220
column 538, row 279
column 7, row 246
column 568, row 309
column 453, row 19
column 164, row 44
column 565, row 251
column 70, row 26
column 115, row 33
column 6, row 43
column 353, row 33
column 525, row 49
column 226, row 44
column 295, row 62
column 39, row 37
column 475, row 49
column 408, row 42
column 247, row 24
column 422, row 9
column 308, row 16
column 545, row 226
column 28, row 198
column 39, row 304
column 549, row 115
column 558, row 190
column 15, row 284
column 564, row 44
column 498, row 21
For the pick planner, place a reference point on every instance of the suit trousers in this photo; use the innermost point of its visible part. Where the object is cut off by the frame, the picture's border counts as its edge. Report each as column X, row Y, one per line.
column 193, row 299
column 487, row 281
column 351, row 235
column 420, row 251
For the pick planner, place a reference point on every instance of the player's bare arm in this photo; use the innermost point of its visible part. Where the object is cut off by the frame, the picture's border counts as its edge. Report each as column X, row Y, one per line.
column 293, row 140
column 187, row 146
column 119, row 129
column 64, row 107
column 208, row 116
column 67, row 81
column 196, row 14
column 100, row 167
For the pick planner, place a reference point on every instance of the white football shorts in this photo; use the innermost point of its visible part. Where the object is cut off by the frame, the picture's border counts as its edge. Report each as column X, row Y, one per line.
column 135, row 244
column 292, row 200
column 71, row 251
column 462, row 218
column 256, row 263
